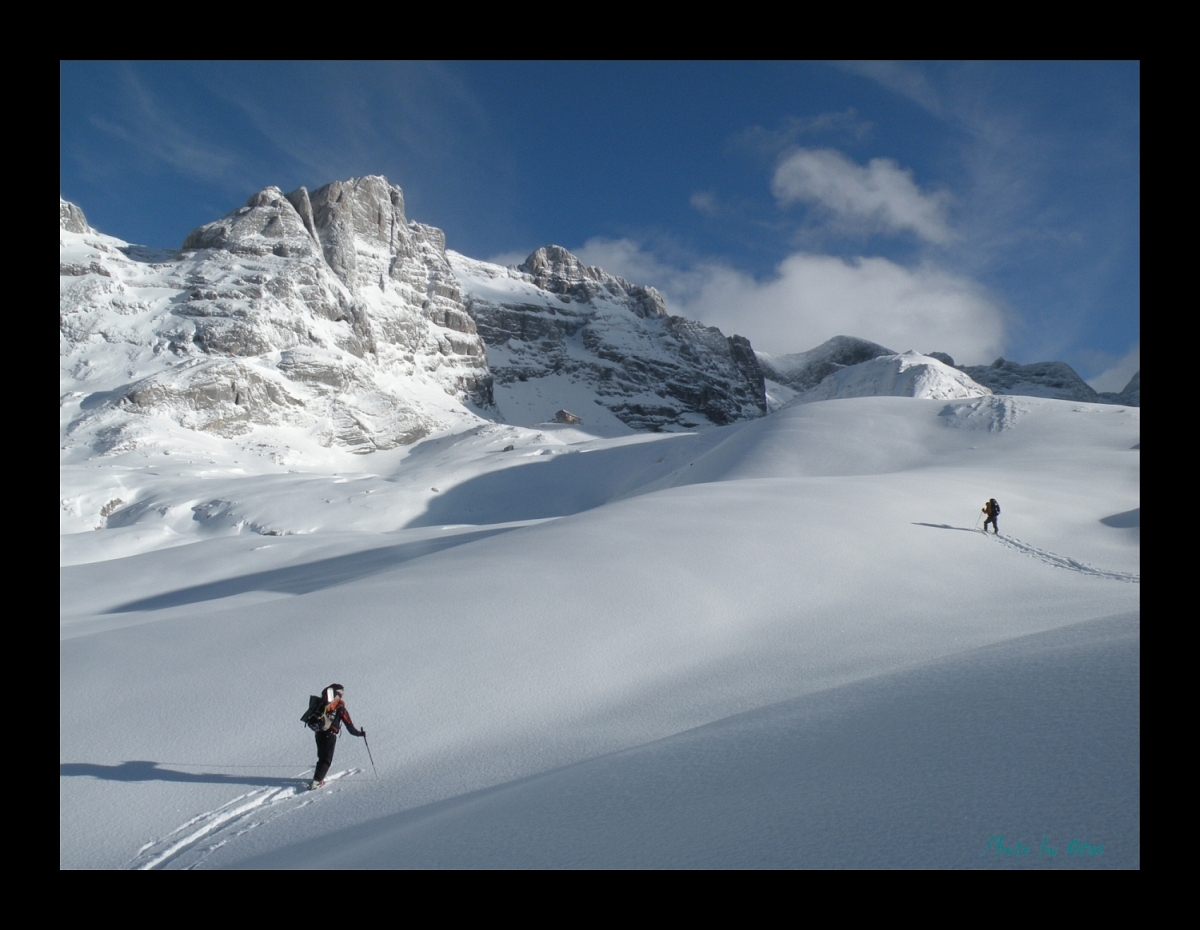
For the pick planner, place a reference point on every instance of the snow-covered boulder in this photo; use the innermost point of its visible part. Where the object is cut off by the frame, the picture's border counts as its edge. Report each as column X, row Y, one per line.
column 560, row 333
column 906, row 375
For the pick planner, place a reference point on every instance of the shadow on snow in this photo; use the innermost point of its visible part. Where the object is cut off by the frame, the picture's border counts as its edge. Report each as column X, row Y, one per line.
column 310, row 576
column 143, row 770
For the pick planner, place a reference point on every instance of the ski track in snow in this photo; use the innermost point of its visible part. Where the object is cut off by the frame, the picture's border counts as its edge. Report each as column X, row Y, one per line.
column 1061, row 561
column 205, row 833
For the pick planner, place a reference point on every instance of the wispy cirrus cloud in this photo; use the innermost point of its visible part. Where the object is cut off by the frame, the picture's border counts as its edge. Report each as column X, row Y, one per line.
column 149, row 128
column 881, row 197
column 902, row 78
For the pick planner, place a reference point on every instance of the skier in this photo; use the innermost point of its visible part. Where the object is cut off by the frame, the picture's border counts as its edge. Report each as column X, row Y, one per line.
column 331, row 720
column 992, row 509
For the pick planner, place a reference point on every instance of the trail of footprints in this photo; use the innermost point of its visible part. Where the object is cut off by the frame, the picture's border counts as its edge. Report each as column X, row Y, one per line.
column 1062, row 561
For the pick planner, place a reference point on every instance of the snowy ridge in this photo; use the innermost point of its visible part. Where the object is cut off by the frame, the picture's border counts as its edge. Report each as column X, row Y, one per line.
column 803, row 371
column 907, row 375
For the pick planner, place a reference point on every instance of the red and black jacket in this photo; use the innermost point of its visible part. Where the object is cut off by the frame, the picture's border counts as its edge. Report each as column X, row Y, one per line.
column 340, row 716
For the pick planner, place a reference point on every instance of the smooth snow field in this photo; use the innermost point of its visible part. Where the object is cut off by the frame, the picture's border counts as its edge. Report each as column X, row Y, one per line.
column 782, row 643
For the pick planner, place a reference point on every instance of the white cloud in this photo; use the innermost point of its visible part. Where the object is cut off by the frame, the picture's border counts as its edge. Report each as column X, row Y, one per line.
column 149, row 128
column 882, row 197
column 813, row 297
column 704, row 201
column 1116, row 377
column 900, row 77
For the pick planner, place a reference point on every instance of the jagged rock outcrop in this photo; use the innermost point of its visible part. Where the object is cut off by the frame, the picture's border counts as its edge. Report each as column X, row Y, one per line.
column 556, row 329
column 329, row 311
column 803, row 371
column 71, row 218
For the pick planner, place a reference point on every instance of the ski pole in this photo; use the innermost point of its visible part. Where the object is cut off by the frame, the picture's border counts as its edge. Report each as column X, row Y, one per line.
column 371, row 757
column 976, row 526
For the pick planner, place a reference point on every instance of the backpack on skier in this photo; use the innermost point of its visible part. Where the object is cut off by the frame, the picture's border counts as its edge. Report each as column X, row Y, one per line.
column 316, row 717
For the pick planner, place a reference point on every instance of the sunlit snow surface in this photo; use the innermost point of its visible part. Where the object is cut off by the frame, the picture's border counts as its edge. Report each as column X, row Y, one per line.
column 780, row 643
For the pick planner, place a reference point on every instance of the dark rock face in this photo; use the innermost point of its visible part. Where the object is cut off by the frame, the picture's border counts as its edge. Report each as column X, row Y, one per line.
column 554, row 316
column 803, row 371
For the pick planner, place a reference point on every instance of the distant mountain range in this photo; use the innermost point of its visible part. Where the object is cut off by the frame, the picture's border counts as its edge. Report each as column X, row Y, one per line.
column 332, row 315
column 802, row 372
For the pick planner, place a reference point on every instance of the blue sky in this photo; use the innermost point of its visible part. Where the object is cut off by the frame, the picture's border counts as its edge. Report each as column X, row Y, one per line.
column 975, row 208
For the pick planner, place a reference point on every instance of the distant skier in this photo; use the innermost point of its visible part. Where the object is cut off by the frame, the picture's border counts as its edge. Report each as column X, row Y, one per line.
column 326, row 717
column 992, row 509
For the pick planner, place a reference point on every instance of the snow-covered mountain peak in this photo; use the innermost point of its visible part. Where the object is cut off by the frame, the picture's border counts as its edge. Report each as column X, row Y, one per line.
column 909, row 374
column 330, row 316
column 71, row 218
column 268, row 224
column 552, row 268
column 802, row 371
column 562, row 335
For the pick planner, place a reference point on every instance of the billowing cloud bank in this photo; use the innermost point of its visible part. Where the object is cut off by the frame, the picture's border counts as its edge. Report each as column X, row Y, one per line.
column 811, row 298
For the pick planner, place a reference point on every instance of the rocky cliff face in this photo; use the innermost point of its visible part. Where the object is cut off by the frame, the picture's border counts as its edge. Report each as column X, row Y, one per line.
column 330, row 312
column 562, row 334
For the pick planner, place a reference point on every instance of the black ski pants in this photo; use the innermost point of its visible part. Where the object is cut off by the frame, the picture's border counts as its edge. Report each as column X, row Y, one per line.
column 994, row 521
column 326, row 743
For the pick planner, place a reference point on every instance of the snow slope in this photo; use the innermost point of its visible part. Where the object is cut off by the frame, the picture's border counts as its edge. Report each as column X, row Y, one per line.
column 773, row 643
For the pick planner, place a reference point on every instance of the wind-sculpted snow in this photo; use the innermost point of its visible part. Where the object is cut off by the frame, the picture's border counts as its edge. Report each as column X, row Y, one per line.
column 562, row 333
column 331, row 314
column 994, row 413
column 907, row 375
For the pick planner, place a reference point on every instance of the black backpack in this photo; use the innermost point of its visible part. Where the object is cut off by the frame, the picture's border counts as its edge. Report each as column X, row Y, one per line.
column 315, row 717
column 995, row 507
